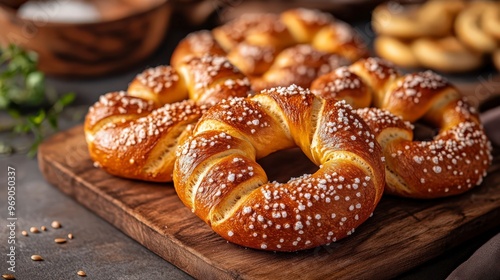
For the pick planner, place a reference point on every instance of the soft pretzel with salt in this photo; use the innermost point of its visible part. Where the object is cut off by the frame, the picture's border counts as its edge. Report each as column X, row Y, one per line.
column 123, row 133
column 134, row 134
column 274, row 49
column 217, row 176
column 453, row 162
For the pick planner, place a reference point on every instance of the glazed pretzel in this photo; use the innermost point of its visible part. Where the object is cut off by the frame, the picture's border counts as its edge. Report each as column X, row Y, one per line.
column 216, row 174
column 454, row 161
column 295, row 46
column 122, row 132
column 134, row 134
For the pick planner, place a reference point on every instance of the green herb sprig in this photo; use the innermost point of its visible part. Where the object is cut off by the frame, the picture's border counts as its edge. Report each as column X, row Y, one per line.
column 24, row 95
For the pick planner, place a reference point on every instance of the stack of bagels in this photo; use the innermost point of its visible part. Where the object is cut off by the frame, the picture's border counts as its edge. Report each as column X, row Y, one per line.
column 446, row 36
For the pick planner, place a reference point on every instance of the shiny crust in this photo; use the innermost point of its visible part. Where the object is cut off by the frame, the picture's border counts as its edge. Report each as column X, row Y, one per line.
column 202, row 70
column 344, row 85
column 134, row 134
column 460, row 152
column 137, row 142
column 216, row 174
column 256, row 42
column 161, row 84
column 298, row 65
column 196, row 44
column 341, row 39
column 210, row 79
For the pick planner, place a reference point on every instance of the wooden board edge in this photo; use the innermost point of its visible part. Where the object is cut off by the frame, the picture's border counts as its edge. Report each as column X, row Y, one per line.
column 88, row 198
column 64, row 179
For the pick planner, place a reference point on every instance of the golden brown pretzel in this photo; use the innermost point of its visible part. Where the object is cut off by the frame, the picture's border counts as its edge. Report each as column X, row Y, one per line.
column 134, row 134
column 199, row 71
column 447, row 36
column 311, row 42
column 454, row 161
column 477, row 25
column 431, row 19
column 216, row 174
column 446, row 54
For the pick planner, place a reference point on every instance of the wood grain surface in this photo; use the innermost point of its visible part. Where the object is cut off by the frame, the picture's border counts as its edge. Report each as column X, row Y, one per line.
column 402, row 233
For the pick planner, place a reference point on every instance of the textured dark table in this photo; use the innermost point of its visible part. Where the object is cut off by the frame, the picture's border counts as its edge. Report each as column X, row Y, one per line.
column 98, row 248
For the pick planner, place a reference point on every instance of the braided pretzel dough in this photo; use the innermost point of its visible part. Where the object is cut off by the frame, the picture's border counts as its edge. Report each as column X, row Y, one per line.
column 122, row 132
column 453, row 162
column 133, row 135
column 446, row 54
column 272, row 50
column 216, row 174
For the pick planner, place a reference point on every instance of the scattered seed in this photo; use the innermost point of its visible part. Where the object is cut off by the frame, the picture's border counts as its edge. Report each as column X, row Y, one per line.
column 44, row 228
column 34, row 230
column 60, row 240
column 56, row 224
column 81, row 273
column 8, row 276
column 70, row 235
column 37, row 258
column 25, row 233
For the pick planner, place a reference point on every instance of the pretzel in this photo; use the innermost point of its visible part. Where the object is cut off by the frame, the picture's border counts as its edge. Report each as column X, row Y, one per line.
column 447, row 36
column 454, row 161
column 134, row 134
column 200, row 72
column 431, row 19
column 446, row 54
column 396, row 50
column 216, row 174
column 477, row 28
column 310, row 42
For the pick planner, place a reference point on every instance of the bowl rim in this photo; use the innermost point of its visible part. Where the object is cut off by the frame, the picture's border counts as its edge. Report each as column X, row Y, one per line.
column 11, row 12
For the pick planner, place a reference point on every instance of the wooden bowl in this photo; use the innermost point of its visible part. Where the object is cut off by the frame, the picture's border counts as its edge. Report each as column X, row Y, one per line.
column 127, row 32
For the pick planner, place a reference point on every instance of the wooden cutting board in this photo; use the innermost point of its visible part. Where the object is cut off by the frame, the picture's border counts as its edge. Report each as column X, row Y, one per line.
column 402, row 233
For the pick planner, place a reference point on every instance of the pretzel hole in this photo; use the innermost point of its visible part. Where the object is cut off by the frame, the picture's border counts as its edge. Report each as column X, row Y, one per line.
column 424, row 131
column 292, row 161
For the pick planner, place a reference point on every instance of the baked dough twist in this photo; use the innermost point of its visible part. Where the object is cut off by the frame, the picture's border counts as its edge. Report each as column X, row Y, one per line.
column 447, row 36
column 274, row 49
column 478, row 26
column 134, row 134
column 200, row 72
column 431, row 19
column 454, row 161
column 217, row 176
